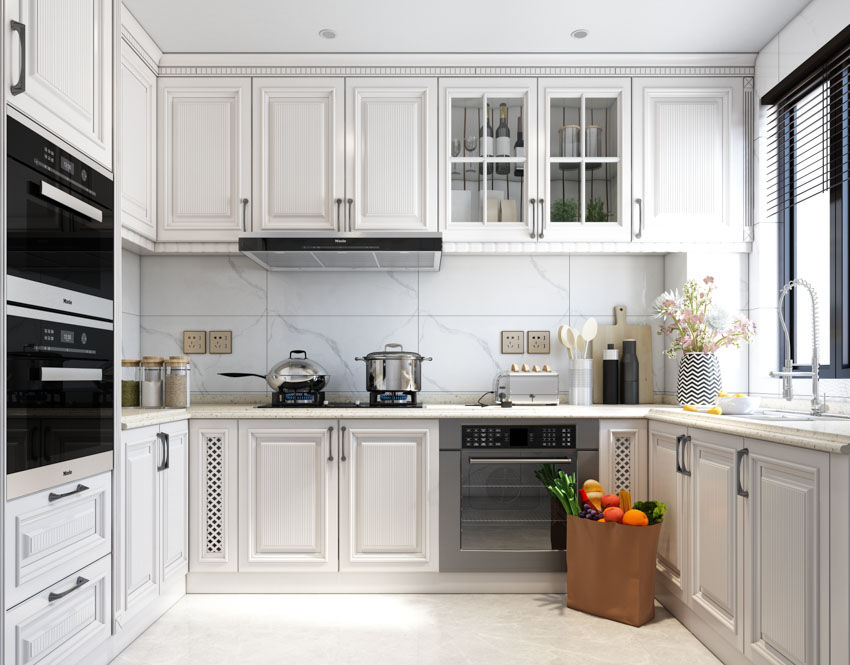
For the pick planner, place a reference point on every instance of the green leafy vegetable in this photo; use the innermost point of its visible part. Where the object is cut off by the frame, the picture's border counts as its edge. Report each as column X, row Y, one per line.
column 561, row 486
column 654, row 510
column 564, row 210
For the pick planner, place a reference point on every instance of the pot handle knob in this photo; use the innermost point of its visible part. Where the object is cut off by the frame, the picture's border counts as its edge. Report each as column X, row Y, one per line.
column 393, row 345
column 298, row 351
column 427, row 359
column 360, row 358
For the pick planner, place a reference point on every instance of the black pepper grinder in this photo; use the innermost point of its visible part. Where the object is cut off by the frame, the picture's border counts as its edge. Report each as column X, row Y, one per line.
column 610, row 375
column 629, row 373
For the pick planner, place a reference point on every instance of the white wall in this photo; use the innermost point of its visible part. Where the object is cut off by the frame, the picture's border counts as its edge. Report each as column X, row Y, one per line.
column 131, row 305
column 454, row 315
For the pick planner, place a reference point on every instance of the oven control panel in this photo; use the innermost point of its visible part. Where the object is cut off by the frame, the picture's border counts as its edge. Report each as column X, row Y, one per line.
column 525, row 436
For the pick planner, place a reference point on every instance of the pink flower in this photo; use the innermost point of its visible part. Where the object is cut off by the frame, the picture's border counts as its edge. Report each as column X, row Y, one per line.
column 708, row 279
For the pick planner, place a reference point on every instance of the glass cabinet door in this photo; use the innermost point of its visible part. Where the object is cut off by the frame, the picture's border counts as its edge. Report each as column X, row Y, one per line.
column 585, row 189
column 487, row 179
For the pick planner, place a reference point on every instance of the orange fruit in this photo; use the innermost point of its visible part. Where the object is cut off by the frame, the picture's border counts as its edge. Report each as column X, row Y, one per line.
column 635, row 518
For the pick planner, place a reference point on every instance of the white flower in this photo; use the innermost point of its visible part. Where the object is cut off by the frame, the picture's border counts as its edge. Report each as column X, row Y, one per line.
column 718, row 319
column 665, row 297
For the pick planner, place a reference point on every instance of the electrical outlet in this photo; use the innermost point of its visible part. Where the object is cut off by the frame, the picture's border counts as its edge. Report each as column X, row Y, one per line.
column 538, row 341
column 194, row 341
column 221, row 341
column 512, row 341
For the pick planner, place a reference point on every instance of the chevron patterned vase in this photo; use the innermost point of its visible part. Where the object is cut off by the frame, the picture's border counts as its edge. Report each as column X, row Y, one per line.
column 699, row 379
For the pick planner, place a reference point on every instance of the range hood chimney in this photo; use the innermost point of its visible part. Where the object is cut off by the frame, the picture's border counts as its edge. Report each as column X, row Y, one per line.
column 328, row 251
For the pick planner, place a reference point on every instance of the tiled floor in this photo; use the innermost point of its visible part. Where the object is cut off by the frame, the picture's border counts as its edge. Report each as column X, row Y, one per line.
column 401, row 629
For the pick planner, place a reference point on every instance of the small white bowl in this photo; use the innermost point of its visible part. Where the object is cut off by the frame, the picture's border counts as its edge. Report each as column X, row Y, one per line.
column 738, row 406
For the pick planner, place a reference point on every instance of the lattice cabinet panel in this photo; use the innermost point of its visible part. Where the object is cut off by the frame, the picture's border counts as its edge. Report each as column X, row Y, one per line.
column 622, row 456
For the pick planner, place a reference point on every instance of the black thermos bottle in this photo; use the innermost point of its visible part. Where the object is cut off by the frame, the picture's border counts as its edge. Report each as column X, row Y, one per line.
column 610, row 375
column 629, row 373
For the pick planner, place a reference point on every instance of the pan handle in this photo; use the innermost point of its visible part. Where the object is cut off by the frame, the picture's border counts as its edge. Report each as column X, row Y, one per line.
column 236, row 375
column 298, row 351
column 360, row 358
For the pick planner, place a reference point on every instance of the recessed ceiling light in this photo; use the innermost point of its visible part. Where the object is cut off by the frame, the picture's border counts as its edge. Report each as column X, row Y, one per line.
column 581, row 33
column 327, row 33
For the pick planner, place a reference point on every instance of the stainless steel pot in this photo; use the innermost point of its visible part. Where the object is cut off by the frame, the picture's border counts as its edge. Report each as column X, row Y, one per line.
column 392, row 371
column 292, row 375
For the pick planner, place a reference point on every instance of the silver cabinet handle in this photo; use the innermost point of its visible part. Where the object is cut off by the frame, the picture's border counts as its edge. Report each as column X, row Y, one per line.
column 542, row 218
column 166, row 450
column 244, row 203
column 539, row 460
column 685, row 441
column 678, row 447
column 71, row 374
column 739, row 456
column 56, row 195
column 56, row 596
column 342, row 457
column 639, row 233
column 350, row 218
column 21, row 85
column 53, row 496
column 338, row 220
column 533, row 203
column 330, row 444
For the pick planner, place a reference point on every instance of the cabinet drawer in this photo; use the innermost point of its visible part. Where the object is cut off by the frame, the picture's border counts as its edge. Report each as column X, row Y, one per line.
column 47, row 540
column 65, row 629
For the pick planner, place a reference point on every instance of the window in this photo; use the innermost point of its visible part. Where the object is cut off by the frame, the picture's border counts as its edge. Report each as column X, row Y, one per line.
column 808, row 171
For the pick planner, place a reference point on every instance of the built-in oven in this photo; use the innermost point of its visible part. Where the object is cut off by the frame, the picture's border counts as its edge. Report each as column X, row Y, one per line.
column 59, row 227
column 59, row 381
column 495, row 515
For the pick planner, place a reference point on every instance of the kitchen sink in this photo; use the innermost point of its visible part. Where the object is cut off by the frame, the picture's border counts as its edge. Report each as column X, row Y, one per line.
column 791, row 416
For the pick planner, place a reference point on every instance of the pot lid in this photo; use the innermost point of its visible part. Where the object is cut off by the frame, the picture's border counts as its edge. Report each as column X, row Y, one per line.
column 302, row 368
column 386, row 354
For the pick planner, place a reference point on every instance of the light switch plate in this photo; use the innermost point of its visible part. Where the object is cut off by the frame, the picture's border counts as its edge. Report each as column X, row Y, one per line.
column 538, row 341
column 194, row 341
column 512, row 341
column 221, row 341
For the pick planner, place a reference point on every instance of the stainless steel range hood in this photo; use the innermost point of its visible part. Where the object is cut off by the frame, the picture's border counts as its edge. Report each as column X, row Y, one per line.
column 376, row 251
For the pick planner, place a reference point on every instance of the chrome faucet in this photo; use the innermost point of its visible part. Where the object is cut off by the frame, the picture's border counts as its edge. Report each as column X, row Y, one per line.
column 787, row 374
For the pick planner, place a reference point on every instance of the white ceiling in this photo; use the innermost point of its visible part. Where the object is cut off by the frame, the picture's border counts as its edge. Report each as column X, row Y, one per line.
column 469, row 26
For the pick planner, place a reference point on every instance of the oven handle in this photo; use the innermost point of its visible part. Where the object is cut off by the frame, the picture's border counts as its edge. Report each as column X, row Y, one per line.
column 71, row 374
column 539, row 460
column 55, row 194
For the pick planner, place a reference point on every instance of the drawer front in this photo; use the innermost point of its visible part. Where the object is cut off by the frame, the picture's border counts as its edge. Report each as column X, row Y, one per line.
column 47, row 540
column 63, row 623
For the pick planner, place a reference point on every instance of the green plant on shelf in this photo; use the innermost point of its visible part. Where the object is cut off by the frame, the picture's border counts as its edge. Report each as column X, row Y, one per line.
column 596, row 211
column 564, row 210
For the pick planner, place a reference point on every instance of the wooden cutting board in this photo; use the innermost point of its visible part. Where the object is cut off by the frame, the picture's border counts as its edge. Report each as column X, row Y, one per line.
column 615, row 335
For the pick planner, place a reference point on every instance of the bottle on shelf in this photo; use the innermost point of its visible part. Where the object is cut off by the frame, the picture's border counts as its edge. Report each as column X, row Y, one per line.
column 485, row 143
column 519, row 148
column 503, row 140
column 629, row 373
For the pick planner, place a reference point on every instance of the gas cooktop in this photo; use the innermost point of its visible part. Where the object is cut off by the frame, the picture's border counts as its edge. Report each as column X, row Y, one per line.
column 316, row 400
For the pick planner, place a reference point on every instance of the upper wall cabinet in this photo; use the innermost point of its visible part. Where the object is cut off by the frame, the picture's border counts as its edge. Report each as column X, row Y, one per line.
column 391, row 153
column 299, row 157
column 62, row 77
column 689, row 160
column 204, row 130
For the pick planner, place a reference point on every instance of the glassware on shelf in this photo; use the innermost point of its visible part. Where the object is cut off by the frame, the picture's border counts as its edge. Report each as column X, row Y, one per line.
column 593, row 146
column 130, row 384
column 470, row 144
column 456, row 145
column 570, row 140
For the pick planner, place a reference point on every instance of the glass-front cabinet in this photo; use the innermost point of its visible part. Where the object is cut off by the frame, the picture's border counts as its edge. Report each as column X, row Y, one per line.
column 585, row 179
column 488, row 180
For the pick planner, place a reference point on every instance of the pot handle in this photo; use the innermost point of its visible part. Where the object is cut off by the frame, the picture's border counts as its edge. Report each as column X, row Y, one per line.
column 240, row 374
column 426, row 359
column 360, row 358
column 394, row 346
column 298, row 351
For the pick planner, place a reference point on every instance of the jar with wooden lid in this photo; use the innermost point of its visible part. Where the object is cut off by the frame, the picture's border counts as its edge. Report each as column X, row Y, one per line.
column 177, row 369
column 130, row 385
column 152, row 375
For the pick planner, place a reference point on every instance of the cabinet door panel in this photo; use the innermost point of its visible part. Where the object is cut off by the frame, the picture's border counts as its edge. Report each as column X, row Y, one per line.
column 388, row 493
column 173, row 484
column 204, row 134
column 298, row 153
column 288, row 496
column 391, row 148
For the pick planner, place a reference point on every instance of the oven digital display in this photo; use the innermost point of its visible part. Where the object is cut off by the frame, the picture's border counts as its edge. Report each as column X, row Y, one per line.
column 519, row 437
column 67, row 336
column 66, row 164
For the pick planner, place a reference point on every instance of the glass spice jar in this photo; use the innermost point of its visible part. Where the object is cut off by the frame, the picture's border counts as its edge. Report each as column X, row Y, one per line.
column 177, row 369
column 152, row 370
column 130, row 386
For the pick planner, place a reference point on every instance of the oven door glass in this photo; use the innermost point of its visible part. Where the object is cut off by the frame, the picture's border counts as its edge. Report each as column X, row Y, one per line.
column 53, row 242
column 59, row 393
column 503, row 507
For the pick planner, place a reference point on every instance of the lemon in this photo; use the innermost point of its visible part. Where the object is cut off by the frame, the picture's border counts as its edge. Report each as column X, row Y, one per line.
column 688, row 407
column 724, row 395
column 739, row 395
column 715, row 411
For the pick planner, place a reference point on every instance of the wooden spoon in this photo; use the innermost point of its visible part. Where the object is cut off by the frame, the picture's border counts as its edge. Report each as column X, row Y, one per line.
column 589, row 331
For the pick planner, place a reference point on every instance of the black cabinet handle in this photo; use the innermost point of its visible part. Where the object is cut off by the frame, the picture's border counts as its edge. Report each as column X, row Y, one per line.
column 56, row 596
column 166, row 450
column 342, row 457
column 350, row 218
column 330, row 444
column 686, row 440
column 542, row 219
column 21, row 85
column 533, row 203
column 678, row 446
column 338, row 220
column 53, row 496
column 739, row 456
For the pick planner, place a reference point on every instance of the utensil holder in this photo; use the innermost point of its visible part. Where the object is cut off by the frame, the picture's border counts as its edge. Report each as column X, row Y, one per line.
column 580, row 382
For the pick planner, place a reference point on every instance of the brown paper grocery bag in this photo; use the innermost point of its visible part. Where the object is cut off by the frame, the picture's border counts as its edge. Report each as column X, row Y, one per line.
column 611, row 569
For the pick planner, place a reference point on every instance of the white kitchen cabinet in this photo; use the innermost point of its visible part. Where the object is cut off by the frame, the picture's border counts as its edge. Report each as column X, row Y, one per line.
column 204, row 157
column 787, row 555
column 136, row 159
column 689, row 143
column 388, row 495
column 288, row 495
column 584, row 139
column 623, row 456
column 391, row 150
column 174, row 505
column 299, row 154
column 64, row 81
